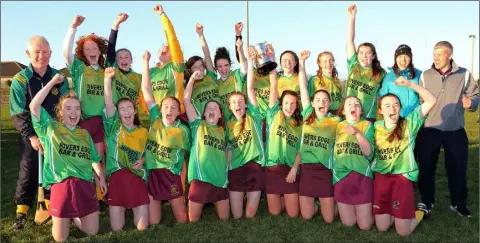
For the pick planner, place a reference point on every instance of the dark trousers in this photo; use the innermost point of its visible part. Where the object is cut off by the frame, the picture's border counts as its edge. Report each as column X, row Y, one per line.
column 427, row 149
column 27, row 183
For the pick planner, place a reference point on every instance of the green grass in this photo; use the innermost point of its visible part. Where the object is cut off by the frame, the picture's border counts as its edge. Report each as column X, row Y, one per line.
column 443, row 226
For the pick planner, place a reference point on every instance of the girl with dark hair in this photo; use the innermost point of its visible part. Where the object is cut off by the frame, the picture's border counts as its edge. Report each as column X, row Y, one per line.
column 394, row 165
column 402, row 69
column 284, row 125
column 352, row 177
column 230, row 80
column 205, row 87
column 316, row 146
column 167, row 142
column 327, row 79
column 87, row 67
column 125, row 162
column 207, row 167
column 67, row 170
column 288, row 79
column 365, row 74
column 167, row 75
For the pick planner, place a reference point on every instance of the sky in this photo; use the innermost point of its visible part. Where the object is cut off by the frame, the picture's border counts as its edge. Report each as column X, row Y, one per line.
column 314, row 26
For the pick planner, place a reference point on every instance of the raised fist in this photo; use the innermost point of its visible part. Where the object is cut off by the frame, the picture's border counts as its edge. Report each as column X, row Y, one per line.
column 199, row 29
column 352, row 10
column 146, row 56
column 77, row 21
column 57, row 79
column 121, row 17
column 197, row 75
column 238, row 28
column 158, row 9
column 109, row 72
column 304, row 55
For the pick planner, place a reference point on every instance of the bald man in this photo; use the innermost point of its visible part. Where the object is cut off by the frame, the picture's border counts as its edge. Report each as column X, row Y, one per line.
column 24, row 87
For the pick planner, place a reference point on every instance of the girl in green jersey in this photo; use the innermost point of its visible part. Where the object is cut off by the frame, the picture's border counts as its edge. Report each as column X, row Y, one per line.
column 69, row 158
column 394, row 165
column 207, row 167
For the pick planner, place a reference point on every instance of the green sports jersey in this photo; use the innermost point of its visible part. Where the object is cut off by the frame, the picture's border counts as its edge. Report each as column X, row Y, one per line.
column 397, row 157
column 246, row 145
column 88, row 84
column 331, row 85
column 235, row 81
column 205, row 90
column 126, row 85
column 318, row 138
column 66, row 152
column 361, row 83
column 124, row 146
column 283, row 138
column 208, row 162
column 261, row 86
column 165, row 81
column 288, row 83
column 166, row 145
column 347, row 155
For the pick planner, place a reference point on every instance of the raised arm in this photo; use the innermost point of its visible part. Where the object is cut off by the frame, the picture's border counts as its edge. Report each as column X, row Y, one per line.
column 112, row 40
column 251, row 77
column 109, row 106
column 36, row 103
column 428, row 99
column 239, row 49
column 68, row 41
column 172, row 41
column 302, row 79
column 206, row 51
column 273, row 79
column 352, row 11
column 187, row 98
column 146, row 85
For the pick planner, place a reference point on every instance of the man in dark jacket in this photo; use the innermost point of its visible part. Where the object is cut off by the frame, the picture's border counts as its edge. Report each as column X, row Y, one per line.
column 456, row 91
column 24, row 87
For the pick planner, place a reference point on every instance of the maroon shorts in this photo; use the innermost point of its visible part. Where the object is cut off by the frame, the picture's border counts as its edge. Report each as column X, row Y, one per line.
column 247, row 178
column 126, row 189
column 315, row 181
column 94, row 126
column 164, row 185
column 276, row 180
column 394, row 195
column 354, row 189
column 264, row 130
column 73, row 198
column 203, row 192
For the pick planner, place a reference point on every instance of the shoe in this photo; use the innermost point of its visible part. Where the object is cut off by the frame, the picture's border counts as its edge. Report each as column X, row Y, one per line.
column 20, row 221
column 462, row 211
column 426, row 209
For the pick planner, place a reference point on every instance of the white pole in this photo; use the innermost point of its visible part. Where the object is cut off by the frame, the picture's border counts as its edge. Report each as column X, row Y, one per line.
column 247, row 25
column 473, row 53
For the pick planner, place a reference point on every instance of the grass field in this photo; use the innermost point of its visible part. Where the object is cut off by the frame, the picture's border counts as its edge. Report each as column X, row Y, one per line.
column 442, row 226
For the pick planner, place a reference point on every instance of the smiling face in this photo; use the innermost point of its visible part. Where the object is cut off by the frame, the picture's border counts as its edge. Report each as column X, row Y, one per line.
column 71, row 112
column 390, row 109
column 287, row 61
column 289, row 105
column 91, row 51
column 403, row 61
column 124, row 60
column 441, row 57
column 198, row 66
column 212, row 113
column 352, row 109
column 126, row 112
column 170, row 109
column 223, row 67
column 236, row 104
column 326, row 63
column 164, row 54
column 39, row 53
column 321, row 103
column 365, row 56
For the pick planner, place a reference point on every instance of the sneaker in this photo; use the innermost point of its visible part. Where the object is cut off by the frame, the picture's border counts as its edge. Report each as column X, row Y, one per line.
column 20, row 221
column 462, row 211
column 426, row 209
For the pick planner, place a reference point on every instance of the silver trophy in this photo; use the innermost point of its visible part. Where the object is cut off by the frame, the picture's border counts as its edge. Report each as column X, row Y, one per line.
column 264, row 62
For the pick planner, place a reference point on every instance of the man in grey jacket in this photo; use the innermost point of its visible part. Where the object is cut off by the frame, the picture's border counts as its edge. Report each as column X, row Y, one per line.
column 456, row 91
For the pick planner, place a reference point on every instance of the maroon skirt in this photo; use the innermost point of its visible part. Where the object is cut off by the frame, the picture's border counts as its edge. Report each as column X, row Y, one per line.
column 203, row 192
column 73, row 198
column 315, row 181
column 94, row 126
column 126, row 189
column 354, row 189
column 247, row 178
column 164, row 185
column 276, row 180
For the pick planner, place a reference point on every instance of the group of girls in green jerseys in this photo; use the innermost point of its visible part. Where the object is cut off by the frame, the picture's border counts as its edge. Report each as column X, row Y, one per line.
column 310, row 144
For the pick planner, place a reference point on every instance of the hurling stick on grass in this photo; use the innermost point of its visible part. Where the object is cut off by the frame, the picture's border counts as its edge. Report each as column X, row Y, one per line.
column 41, row 215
